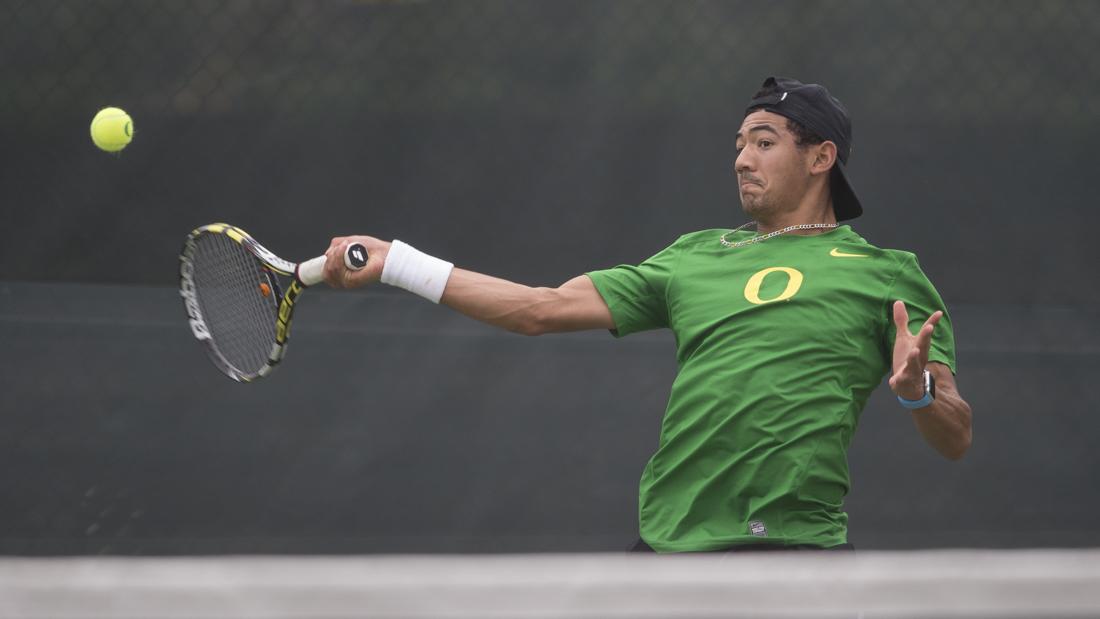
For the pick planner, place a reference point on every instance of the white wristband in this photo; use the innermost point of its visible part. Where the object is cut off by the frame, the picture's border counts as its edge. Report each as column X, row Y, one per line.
column 411, row 269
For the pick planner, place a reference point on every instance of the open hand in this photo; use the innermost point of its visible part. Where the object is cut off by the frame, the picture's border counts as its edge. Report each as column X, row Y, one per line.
column 910, row 353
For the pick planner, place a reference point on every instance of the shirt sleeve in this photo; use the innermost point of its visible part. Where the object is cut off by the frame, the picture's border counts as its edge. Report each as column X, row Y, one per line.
column 921, row 300
column 637, row 295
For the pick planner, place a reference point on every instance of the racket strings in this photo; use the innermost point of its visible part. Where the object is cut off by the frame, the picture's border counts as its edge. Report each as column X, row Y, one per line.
column 239, row 307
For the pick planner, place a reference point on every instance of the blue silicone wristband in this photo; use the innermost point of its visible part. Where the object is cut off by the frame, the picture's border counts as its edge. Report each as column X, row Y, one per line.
column 929, row 394
column 915, row 404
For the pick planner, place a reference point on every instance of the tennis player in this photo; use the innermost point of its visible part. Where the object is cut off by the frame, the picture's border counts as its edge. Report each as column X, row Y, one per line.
column 782, row 333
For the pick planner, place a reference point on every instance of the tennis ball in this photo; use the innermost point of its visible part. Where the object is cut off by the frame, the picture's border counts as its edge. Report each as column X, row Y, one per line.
column 112, row 129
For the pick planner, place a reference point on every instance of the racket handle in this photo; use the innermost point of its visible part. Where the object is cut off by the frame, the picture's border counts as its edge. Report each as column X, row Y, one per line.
column 312, row 271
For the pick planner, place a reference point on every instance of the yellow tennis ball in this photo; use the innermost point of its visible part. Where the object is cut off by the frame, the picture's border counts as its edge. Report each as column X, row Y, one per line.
column 112, row 129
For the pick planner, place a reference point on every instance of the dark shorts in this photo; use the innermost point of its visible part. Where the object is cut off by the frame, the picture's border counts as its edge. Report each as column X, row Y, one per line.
column 641, row 546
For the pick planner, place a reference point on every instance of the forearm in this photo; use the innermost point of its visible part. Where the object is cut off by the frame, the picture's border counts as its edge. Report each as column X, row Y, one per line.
column 576, row 305
column 496, row 301
column 945, row 424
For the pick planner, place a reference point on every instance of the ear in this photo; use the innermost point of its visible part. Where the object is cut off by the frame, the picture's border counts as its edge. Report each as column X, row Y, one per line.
column 823, row 156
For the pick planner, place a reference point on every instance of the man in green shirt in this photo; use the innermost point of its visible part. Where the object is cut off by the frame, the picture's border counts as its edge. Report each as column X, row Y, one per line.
column 781, row 336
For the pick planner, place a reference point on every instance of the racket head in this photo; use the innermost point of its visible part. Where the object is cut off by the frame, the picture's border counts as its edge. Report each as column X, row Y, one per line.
column 233, row 300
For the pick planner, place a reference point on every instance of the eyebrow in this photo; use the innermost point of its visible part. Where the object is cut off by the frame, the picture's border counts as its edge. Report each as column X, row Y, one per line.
column 758, row 128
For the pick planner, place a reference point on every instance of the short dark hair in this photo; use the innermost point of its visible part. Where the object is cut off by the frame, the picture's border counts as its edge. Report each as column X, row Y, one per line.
column 803, row 137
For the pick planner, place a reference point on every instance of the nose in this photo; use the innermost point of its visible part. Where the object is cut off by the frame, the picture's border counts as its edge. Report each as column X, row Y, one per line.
column 743, row 162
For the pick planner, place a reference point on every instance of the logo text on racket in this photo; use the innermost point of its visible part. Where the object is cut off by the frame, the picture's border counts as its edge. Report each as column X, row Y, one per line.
column 191, row 301
column 286, row 310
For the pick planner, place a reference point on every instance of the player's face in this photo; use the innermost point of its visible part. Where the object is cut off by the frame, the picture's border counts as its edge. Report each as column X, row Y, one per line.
column 772, row 172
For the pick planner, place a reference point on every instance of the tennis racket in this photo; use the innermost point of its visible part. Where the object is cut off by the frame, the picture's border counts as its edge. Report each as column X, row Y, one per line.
column 235, row 304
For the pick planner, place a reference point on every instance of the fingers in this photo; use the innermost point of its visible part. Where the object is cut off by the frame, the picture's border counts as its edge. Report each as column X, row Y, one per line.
column 336, row 272
column 934, row 319
column 911, row 369
column 913, row 365
column 344, row 274
column 333, row 265
column 911, row 352
column 351, row 277
column 901, row 318
column 924, row 337
column 908, row 382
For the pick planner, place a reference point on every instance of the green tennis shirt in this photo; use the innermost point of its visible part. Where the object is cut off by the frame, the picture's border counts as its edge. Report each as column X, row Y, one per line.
column 778, row 346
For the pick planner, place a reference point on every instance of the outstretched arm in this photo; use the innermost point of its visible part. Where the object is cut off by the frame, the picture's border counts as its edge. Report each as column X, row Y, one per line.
column 574, row 306
column 945, row 424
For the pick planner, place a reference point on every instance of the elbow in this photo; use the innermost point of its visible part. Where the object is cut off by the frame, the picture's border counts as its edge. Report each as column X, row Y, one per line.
column 529, row 327
column 523, row 323
column 959, row 449
column 537, row 318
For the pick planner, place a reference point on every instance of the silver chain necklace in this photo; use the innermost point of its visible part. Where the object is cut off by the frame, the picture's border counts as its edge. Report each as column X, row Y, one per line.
column 758, row 239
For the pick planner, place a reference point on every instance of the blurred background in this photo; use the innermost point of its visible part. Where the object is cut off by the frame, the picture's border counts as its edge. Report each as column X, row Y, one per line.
column 532, row 140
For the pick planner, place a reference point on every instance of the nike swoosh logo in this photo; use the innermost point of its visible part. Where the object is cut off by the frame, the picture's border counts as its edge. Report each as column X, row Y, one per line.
column 836, row 253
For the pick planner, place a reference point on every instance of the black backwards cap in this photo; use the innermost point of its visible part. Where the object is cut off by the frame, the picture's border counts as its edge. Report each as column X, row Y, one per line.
column 811, row 106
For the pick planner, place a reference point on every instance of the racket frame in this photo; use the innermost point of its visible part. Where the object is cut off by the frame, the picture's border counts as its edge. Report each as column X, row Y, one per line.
column 286, row 300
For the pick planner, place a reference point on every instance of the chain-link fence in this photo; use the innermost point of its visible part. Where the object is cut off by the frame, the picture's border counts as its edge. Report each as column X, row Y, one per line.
column 986, row 61
column 492, row 116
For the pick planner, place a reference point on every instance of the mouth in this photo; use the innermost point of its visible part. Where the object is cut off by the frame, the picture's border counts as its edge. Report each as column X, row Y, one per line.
column 745, row 182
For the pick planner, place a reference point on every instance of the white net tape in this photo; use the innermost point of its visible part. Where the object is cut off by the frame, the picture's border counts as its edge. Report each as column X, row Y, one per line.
column 1037, row 583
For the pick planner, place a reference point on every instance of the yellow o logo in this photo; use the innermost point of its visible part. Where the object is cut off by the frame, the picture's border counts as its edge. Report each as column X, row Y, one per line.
column 752, row 289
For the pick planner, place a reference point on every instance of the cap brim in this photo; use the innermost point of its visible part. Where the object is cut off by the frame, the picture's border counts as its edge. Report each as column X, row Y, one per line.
column 845, row 202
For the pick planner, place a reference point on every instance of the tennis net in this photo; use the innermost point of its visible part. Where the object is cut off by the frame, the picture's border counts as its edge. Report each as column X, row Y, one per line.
column 1023, row 583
